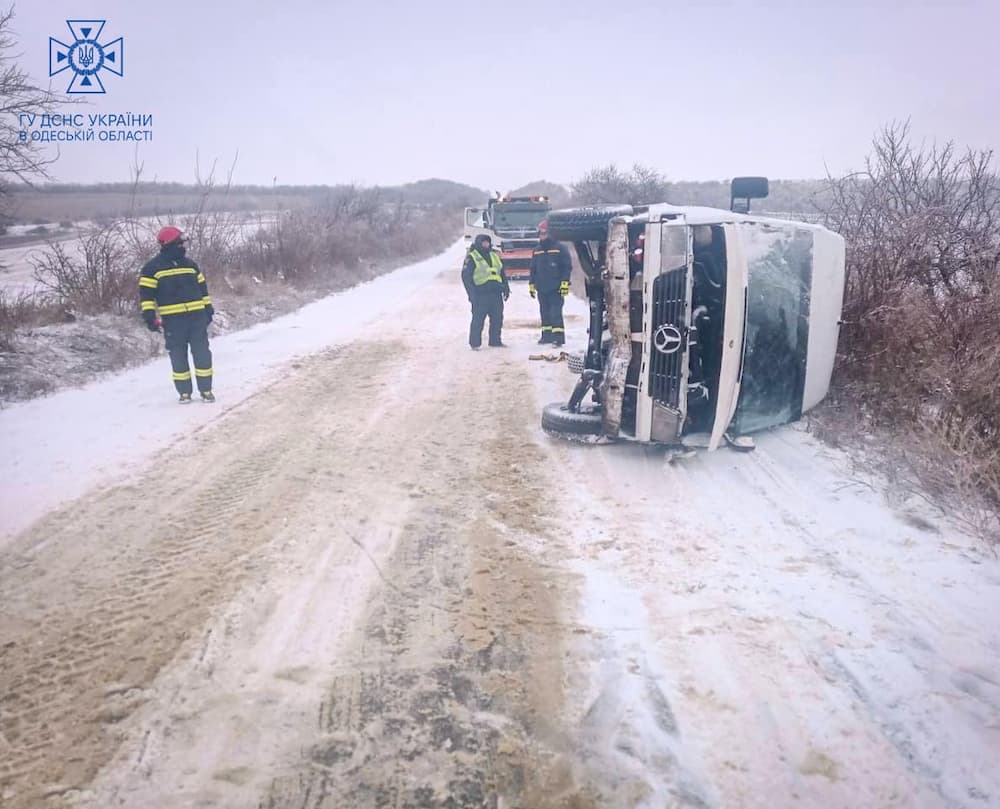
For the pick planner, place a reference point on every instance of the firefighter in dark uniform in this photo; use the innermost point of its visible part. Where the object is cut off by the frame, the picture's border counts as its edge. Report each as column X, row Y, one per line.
column 486, row 285
column 550, row 271
column 173, row 286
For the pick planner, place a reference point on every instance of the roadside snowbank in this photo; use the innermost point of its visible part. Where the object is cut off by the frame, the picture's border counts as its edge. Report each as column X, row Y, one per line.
column 58, row 447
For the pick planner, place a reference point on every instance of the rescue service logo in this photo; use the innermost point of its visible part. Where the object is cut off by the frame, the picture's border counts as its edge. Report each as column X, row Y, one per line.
column 86, row 57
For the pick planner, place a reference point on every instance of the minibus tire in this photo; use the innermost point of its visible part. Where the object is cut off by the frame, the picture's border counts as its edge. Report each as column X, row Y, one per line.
column 557, row 419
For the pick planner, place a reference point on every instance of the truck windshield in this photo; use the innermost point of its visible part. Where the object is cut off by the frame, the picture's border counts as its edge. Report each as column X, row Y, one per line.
column 520, row 217
column 779, row 278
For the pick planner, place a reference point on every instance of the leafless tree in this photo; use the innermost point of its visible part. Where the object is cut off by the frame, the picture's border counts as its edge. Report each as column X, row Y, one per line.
column 98, row 276
column 20, row 159
column 609, row 184
column 923, row 228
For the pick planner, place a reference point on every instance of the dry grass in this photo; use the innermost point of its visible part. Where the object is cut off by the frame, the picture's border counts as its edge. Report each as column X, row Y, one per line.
column 86, row 321
column 911, row 461
column 15, row 310
column 23, row 310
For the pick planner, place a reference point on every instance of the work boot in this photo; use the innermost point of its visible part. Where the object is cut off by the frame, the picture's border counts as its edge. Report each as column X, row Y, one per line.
column 185, row 398
column 475, row 348
column 498, row 345
column 207, row 396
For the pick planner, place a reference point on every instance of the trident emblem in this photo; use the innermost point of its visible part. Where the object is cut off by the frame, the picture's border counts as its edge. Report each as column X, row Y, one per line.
column 86, row 57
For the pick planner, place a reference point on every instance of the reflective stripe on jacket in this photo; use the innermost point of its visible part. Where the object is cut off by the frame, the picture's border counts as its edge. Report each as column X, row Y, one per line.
column 172, row 284
column 550, row 266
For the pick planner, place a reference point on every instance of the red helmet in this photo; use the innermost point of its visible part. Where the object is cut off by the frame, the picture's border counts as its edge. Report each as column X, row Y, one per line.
column 168, row 234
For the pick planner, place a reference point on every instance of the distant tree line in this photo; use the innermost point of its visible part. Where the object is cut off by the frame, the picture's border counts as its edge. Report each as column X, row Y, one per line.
column 641, row 184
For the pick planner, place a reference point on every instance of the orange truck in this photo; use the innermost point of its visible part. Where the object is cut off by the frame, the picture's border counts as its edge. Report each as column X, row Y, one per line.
column 512, row 224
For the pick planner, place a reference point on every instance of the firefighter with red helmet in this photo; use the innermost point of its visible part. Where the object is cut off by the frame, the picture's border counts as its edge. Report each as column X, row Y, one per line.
column 172, row 287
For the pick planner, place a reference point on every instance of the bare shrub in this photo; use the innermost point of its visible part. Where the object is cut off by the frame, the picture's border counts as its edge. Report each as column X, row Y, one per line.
column 350, row 235
column 99, row 276
column 609, row 184
column 347, row 237
column 954, row 462
column 16, row 311
column 211, row 232
column 922, row 301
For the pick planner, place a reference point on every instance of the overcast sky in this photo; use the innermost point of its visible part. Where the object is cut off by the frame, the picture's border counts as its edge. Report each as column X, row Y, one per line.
column 500, row 92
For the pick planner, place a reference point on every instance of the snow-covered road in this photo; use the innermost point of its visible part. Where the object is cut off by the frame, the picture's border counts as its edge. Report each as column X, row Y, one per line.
column 58, row 447
column 368, row 579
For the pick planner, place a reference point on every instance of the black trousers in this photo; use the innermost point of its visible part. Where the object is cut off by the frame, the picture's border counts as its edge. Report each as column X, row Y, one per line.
column 486, row 303
column 183, row 331
column 550, row 307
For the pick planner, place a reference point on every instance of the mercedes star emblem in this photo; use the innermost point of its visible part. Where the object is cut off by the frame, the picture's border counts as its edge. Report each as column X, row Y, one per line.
column 667, row 339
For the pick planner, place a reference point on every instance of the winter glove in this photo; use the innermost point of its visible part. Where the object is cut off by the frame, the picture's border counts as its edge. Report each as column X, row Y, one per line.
column 531, row 290
column 564, row 288
column 152, row 322
column 506, row 293
column 210, row 311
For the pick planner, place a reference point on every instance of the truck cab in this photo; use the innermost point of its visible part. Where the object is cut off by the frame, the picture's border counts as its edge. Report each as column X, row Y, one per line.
column 512, row 224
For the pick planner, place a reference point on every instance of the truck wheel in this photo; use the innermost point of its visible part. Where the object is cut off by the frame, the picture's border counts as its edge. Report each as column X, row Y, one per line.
column 584, row 224
column 557, row 419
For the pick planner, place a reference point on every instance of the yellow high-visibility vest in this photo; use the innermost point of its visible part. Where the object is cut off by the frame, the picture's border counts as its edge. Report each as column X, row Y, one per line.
column 485, row 271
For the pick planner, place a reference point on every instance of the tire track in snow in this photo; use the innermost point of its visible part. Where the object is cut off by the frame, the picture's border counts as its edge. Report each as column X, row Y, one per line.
column 99, row 596
column 452, row 684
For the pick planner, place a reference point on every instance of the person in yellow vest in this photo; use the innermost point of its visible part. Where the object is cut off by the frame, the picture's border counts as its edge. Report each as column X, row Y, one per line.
column 486, row 285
